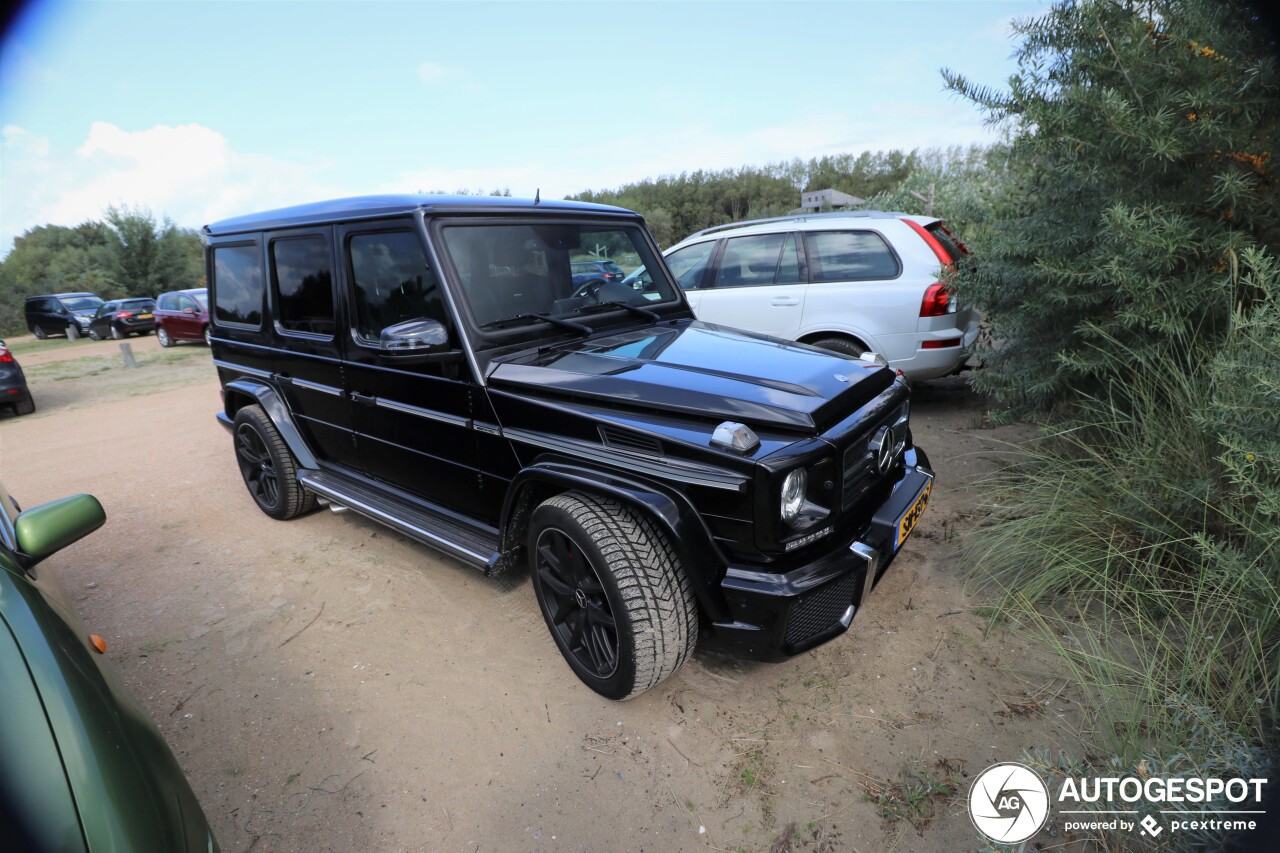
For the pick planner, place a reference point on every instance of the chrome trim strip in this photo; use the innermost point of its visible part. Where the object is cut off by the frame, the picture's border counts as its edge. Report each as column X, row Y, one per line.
column 487, row 428
column 391, row 520
column 316, row 386
column 872, row 558
column 666, row 470
column 428, row 414
column 248, row 371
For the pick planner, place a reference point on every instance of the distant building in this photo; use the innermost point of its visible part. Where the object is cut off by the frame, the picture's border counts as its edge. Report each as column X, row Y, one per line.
column 816, row 200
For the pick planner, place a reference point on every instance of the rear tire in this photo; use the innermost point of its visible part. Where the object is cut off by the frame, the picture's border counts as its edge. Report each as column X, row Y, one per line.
column 844, row 346
column 117, row 335
column 26, row 407
column 269, row 470
column 39, row 332
column 612, row 591
column 73, row 332
column 93, row 334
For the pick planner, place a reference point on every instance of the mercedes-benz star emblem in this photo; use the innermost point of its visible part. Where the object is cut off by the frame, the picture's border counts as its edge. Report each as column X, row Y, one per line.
column 881, row 447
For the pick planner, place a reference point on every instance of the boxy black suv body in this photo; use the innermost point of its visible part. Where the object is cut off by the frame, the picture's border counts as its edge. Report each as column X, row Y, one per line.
column 427, row 361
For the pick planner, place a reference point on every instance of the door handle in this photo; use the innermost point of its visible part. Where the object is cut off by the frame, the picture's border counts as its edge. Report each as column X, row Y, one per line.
column 784, row 301
column 363, row 399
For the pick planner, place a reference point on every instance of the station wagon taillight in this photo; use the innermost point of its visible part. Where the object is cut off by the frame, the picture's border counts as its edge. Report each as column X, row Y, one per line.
column 938, row 301
column 123, row 314
column 944, row 257
column 5, row 356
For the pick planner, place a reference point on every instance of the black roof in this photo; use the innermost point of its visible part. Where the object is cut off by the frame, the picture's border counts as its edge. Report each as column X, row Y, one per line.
column 379, row 206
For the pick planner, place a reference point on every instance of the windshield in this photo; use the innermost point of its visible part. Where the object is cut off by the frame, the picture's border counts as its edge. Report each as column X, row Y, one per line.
column 81, row 303
column 509, row 272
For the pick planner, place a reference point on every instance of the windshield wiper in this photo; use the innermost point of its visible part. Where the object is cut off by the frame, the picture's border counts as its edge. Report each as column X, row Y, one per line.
column 580, row 328
column 625, row 306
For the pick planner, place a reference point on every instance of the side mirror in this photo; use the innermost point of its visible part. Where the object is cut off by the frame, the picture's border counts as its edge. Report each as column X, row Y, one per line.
column 188, row 311
column 48, row 528
column 414, row 337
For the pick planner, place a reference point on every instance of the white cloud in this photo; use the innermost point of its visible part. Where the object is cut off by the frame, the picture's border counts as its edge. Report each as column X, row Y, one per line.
column 430, row 73
column 187, row 172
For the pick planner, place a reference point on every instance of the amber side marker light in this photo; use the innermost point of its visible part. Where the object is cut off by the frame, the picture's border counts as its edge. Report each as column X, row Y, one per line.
column 99, row 644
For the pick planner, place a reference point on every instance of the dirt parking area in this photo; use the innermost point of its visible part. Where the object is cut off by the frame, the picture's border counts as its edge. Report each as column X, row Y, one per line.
column 330, row 685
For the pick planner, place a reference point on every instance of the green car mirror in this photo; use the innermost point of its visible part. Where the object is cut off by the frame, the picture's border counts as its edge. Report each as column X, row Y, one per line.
column 48, row 528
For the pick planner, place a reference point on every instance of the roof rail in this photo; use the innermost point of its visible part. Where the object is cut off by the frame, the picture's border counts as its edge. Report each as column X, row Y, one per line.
column 798, row 217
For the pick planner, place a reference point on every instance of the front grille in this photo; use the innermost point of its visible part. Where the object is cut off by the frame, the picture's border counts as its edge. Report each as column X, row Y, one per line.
column 817, row 611
column 860, row 473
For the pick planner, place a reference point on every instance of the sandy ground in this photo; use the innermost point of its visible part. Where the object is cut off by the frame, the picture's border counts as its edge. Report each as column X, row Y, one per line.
column 329, row 685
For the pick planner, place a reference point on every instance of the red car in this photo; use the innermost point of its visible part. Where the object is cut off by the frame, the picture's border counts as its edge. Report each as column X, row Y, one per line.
column 182, row 315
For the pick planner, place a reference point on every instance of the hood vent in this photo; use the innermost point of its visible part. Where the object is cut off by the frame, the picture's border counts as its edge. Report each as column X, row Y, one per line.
column 629, row 441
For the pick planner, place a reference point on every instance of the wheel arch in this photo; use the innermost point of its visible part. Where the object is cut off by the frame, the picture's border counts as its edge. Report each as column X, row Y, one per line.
column 247, row 392
column 865, row 341
column 673, row 514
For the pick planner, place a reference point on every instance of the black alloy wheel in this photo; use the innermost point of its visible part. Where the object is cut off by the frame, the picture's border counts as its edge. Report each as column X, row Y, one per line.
column 612, row 591
column 577, row 607
column 268, row 468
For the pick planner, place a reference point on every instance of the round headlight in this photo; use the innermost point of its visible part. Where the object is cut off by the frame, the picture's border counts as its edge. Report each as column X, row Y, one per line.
column 793, row 489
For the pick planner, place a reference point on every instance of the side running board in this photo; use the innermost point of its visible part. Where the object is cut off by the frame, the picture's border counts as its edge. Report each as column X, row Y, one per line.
column 474, row 545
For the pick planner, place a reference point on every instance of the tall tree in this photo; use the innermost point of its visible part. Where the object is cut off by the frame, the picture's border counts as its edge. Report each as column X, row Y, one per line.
column 151, row 258
column 1142, row 134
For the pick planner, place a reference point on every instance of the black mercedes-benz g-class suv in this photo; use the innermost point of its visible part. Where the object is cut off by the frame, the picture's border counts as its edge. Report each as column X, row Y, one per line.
column 427, row 361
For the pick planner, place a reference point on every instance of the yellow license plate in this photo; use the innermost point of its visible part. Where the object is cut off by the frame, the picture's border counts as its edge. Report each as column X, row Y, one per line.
column 908, row 521
column 144, row 316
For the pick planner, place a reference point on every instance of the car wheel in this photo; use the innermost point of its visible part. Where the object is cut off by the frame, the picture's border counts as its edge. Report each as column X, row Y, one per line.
column 38, row 331
column 208, row 337
column 116, row 334
column 844, row 346
column 73, row 332
column 267, row 466
column 26, row 407
column 93, row 334
column 613, row 593
column 163, row 337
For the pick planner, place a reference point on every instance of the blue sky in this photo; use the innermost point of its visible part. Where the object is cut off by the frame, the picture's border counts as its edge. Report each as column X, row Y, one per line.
column 202, row 110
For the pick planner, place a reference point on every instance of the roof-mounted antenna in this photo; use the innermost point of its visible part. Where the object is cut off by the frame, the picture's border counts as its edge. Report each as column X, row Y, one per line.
column 537, row 195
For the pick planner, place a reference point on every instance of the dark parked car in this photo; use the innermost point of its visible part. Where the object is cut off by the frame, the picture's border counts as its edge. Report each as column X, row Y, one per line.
column 182, row 315
column 595, row 272
column 13, row 384
column 82, row 766
column 431, row 362
column 121, row 318
column 60, row 314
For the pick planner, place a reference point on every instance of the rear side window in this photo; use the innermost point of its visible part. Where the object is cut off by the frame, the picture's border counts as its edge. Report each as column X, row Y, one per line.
column 303, row 280
column 759, row 260
column 237, row 285
column 166, row 302
column 393, row 282
column 850, row 256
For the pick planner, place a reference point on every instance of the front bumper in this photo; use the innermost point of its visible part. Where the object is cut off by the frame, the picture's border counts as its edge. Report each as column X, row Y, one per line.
column 776, row 616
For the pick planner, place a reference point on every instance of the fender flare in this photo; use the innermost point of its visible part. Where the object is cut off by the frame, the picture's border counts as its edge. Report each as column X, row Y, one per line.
column 271, row 402
column 669, row 509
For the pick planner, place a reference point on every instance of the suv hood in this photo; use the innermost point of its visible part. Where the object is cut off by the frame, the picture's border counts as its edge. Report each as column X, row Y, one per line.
column 703, row 370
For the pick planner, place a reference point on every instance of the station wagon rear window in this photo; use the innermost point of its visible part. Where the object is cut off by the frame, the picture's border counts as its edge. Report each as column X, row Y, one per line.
column 850, row 256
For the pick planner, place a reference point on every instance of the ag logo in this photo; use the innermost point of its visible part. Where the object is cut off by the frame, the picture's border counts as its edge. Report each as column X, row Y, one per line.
column 1008, row 803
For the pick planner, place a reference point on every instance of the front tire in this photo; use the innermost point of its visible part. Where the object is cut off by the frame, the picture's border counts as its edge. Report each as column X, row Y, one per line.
column 39, row 332
column 116, row 334
column 163, row 337
column 268, row 468
column 613, row 593
column 26, row 407
column 73, row 332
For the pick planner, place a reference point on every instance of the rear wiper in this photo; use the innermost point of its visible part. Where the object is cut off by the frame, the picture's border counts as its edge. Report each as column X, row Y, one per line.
column 580, row 328
column 625, row 306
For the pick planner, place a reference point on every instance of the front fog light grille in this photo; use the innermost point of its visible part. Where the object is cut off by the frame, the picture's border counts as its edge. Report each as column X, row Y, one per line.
column 819, row 610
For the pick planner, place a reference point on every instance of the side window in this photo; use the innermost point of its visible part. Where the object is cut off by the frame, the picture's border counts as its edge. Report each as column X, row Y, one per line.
column 688, row 264
column 303, row 281
column 850, row 256
column 165, row 302
column 184, row 302
column 105, row 308
column 759, row 260
column 392, row 282
column 237, row 285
